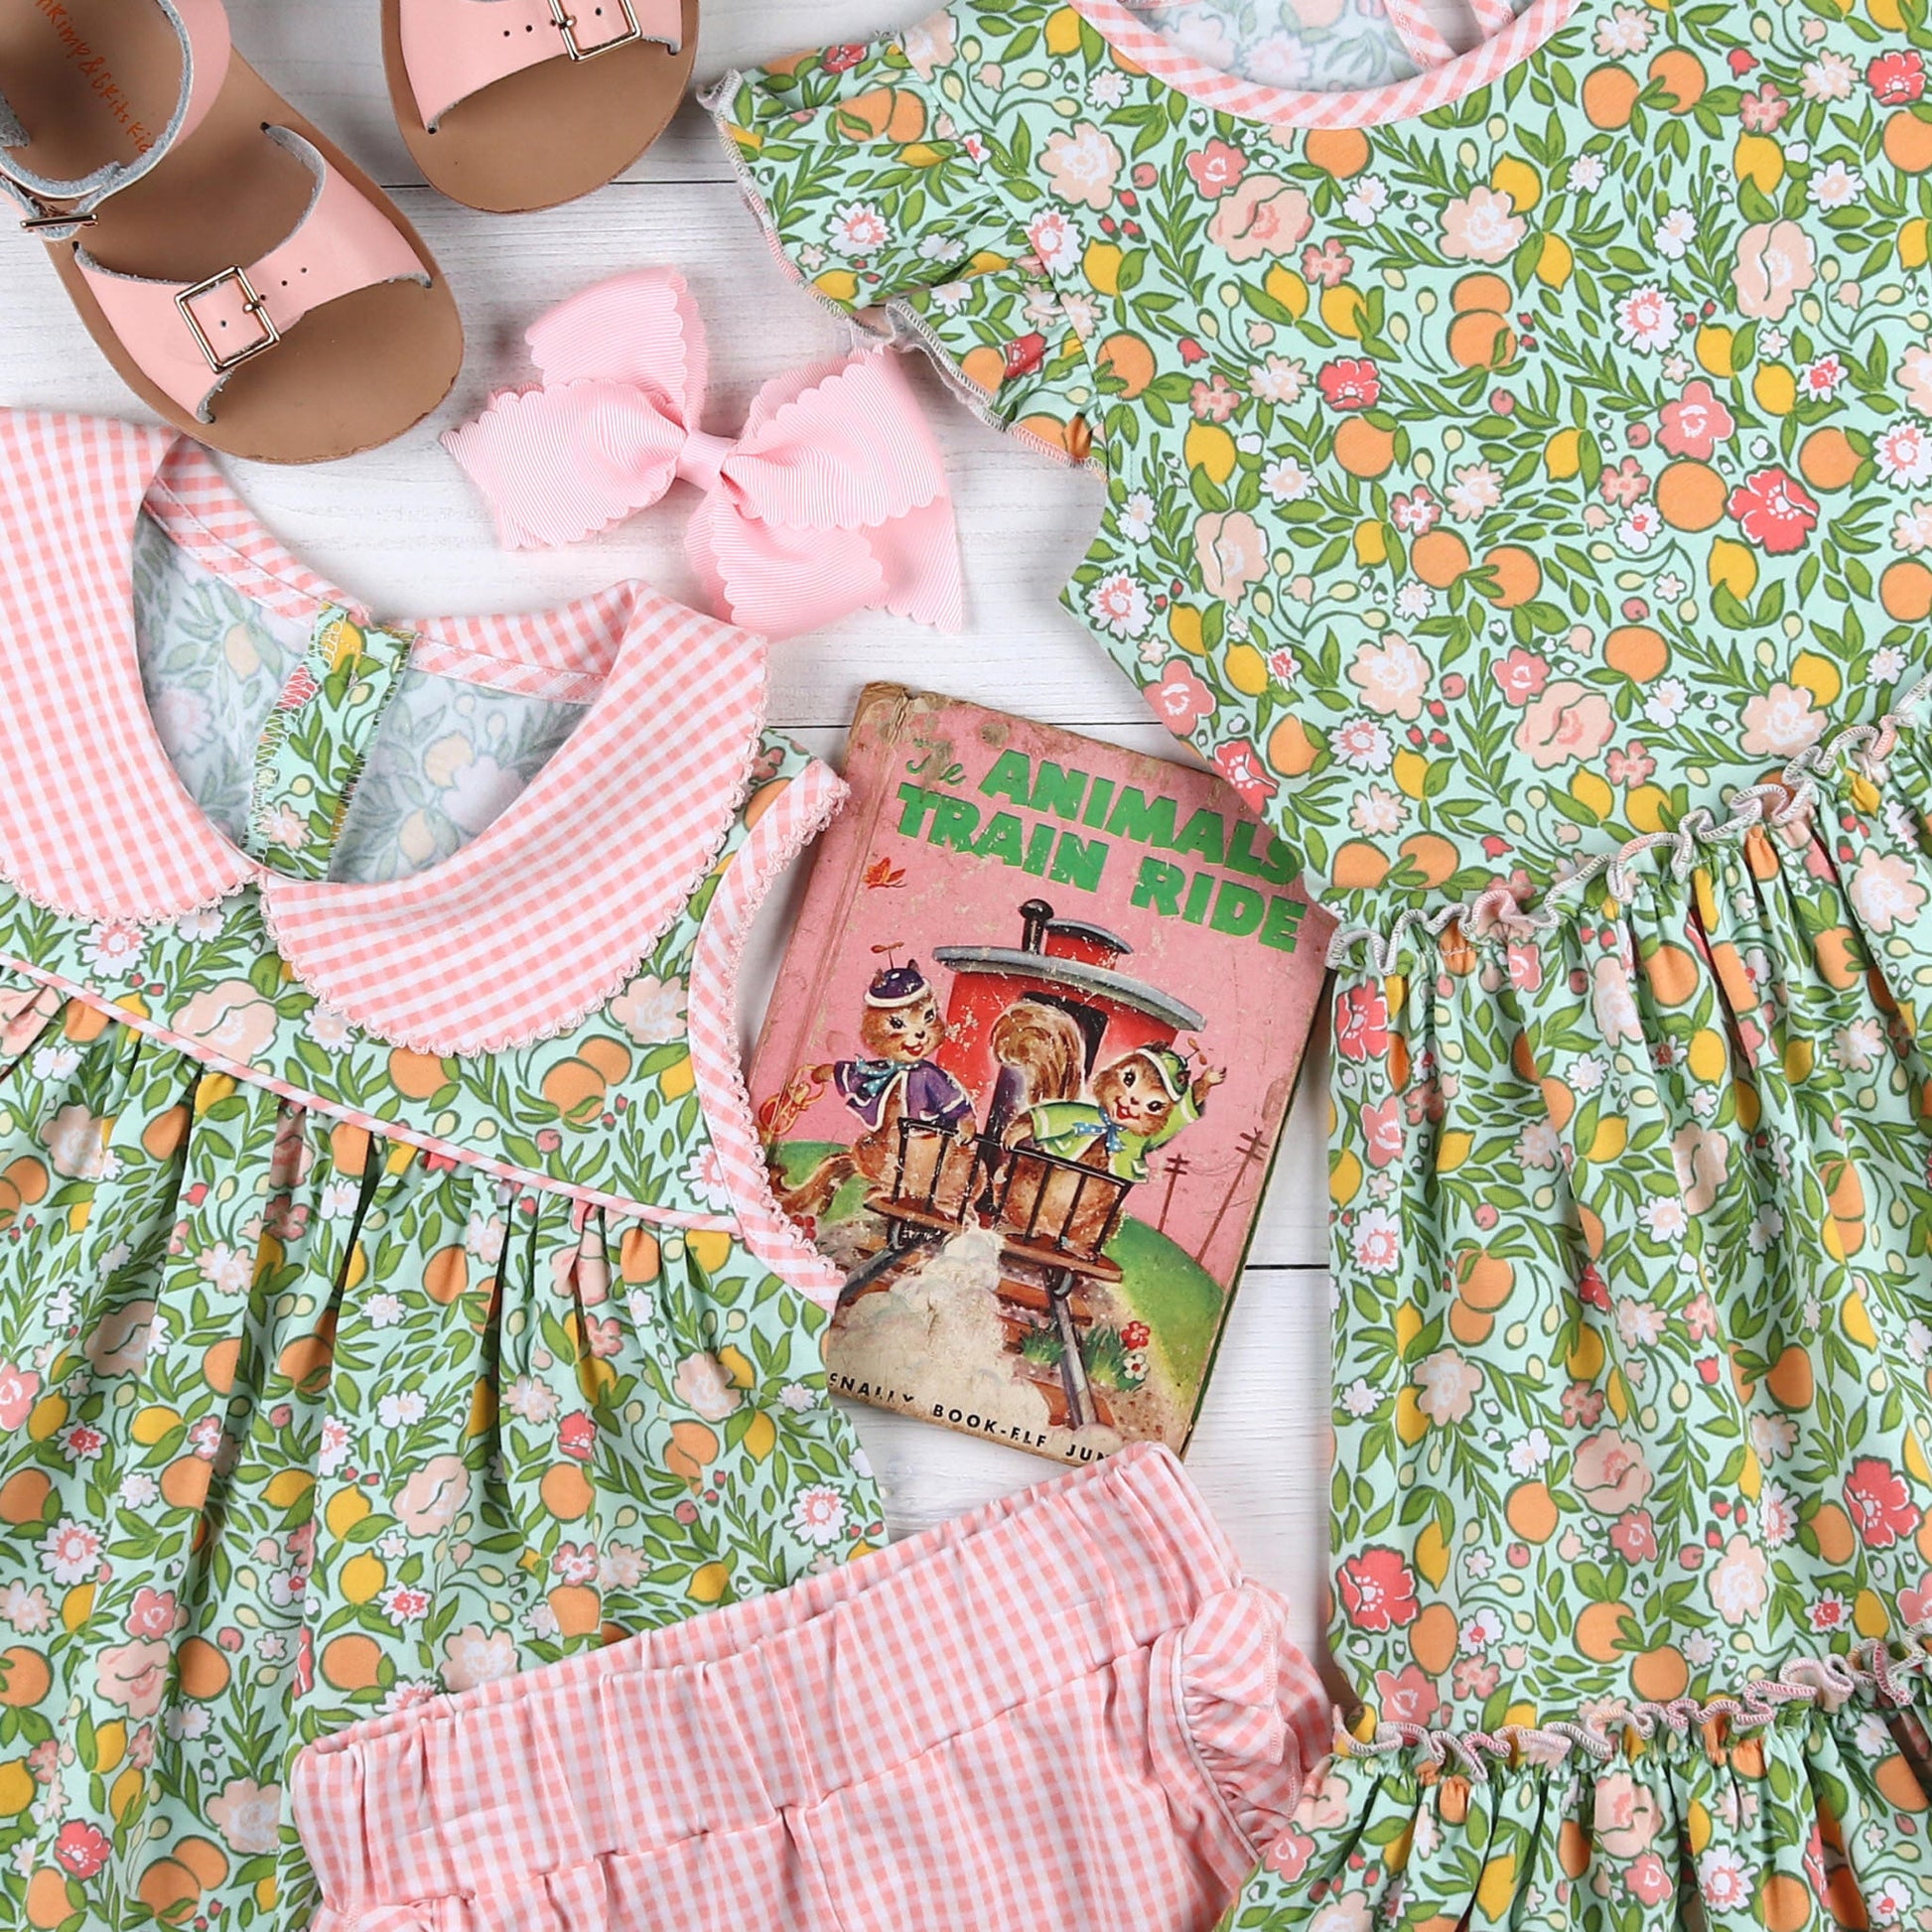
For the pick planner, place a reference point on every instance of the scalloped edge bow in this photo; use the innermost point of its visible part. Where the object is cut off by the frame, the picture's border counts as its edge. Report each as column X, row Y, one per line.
column 832, row 498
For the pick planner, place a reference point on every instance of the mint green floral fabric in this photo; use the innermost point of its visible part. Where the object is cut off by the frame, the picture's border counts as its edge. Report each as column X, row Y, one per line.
column 315, row 740
column 301, row 1421
column 1524, row 502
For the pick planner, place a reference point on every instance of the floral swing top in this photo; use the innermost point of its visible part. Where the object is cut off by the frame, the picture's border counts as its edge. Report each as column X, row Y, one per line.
column 1519, row 484
column 390, row 1295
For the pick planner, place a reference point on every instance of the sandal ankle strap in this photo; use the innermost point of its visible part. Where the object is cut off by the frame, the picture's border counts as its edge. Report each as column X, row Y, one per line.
column 453, row 49
column 188, row 337
column 57, row 209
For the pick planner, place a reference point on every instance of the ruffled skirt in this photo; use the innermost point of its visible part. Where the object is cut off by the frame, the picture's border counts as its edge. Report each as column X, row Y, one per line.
column 297, row 1425
column 1631, row 1232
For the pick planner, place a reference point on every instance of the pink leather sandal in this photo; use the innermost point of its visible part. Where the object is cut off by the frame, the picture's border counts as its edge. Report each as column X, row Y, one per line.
column 516, row 104
column 248, row 282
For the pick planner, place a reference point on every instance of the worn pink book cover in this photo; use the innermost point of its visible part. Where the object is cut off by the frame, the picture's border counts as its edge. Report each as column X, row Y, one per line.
column 1026, row 1068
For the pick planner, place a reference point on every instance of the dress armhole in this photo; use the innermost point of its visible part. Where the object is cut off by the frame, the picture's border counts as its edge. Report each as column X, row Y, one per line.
column 796, row 816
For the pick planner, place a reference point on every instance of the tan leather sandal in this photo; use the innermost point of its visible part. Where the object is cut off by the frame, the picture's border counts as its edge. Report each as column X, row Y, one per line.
column 248, row 280
column 516, row 105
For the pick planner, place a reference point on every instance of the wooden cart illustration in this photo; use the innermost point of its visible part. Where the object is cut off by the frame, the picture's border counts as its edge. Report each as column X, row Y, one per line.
column 1053, row 1216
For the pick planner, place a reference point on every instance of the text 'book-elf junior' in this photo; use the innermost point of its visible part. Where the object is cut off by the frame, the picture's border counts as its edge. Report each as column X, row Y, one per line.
column 1026, row 1068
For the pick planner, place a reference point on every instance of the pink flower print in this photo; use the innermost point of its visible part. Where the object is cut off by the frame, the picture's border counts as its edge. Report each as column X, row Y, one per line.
column 1739, row 1581
column 1626, row 484
column 1407, row 1696
column 1649, row 1879
column 1217, row 167
column 1416, row 513
column 1361, row 1024
column 1214, row 401
column 1328, row 265
column 1350, row 382
column 1082, row 166
column 1565, row 722
column 1481, row 227
column 1181, row 698
column 843, row 58
column 152, row 1613
column 1240, row 764
column 1023, row 355
column 1583, row 1406
column 1774, row 265
column 1521, row 675
column 20, row 1389
column 1383, row 1131
column 1762, row 112
column 1879, row 1502
column 577, row 1435
column 1392, row 677
column 1633, row 1536
column 1610, row 1472
column 1472, row 1678
column 231, row 1018
column 81, row 1848
column 1288, row 1856
column 1231, row 553
column 1896, row 77
column 474, row 1655
column 1629, row 764
column 134, row 1675
column 1915, row 1606
column 1378, row 1590
column 429, row 1502
column 1264, row 216
column 1449, row 1386
column 1628, row 1816
column 1775, row 510
column 1781, row 723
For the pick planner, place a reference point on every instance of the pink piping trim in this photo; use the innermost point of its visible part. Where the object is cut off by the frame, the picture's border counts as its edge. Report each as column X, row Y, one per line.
column 562, row 655
column 1398, row 100
column 1419, row 35
column 792, row 821
column 389, row 1130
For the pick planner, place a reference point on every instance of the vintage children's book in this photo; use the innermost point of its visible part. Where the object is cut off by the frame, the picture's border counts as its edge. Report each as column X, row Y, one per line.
column 1026, row 1068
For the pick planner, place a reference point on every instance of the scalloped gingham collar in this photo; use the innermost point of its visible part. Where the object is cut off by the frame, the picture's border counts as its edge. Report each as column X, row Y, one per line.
column 516, row 935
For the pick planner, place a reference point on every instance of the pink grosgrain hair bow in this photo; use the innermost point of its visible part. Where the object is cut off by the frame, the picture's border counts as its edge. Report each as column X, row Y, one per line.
column 833, row 499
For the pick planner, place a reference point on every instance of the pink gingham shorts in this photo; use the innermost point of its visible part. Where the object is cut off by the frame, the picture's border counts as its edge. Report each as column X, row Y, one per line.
column 1064, row 1710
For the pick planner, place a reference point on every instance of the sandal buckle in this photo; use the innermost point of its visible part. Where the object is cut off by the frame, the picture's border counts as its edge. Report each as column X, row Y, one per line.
column 254, row 306
column 582, row 49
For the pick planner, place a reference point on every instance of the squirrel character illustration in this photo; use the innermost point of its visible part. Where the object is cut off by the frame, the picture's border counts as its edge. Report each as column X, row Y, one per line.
column 896, row 1079
column 1042, row 1056
column 1140, row 1101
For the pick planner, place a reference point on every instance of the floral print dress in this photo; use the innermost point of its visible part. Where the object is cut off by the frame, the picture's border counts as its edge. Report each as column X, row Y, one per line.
column 390, row 1298
column 1519, row 484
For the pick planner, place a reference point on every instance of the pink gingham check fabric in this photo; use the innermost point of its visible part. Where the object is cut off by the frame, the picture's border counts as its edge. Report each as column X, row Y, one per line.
column 1066, row 1710
column 521, row 931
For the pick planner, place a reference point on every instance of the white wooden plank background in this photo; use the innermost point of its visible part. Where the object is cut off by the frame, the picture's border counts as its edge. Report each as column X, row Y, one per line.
column 399, row 530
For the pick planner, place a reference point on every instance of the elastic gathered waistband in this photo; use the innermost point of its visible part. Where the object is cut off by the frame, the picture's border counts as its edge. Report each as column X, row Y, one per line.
column 770, row 1706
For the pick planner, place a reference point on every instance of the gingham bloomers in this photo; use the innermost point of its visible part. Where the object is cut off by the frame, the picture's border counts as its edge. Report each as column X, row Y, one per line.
column 390, row 1297
column 1519, row 484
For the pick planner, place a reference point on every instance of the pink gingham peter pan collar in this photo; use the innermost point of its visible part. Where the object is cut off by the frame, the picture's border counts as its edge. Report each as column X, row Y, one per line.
column 516, row 935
